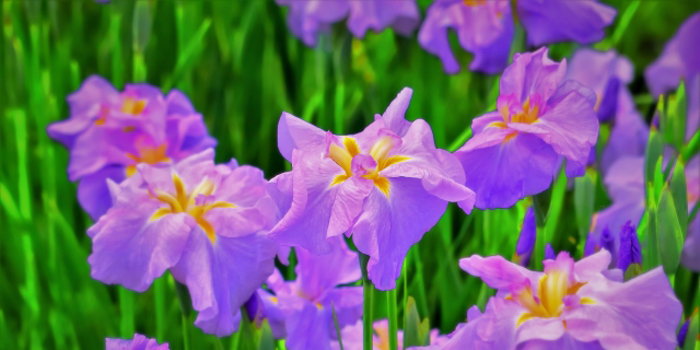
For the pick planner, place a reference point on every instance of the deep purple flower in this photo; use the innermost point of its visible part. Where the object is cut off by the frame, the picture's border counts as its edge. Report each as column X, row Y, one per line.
column 578, row 305
column 526, row 241
column 608, row 242
column 680, row 60
column 606, row 73
column 549, row 252
column 206, row 223
column 514, row 152
column 308, row 18
column 682, row 332
column 591, row 246
column 485, row 28
column 140, row 342
column 110, row 132
column 630, row 252
column 691, row 250
column 386, row 186
column 307, row 303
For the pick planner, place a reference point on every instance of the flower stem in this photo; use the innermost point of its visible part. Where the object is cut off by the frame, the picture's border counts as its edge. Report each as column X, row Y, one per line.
column 393, row 318
column 541, row 240
column 368, row 293
column 183, row 296
column 126, row 307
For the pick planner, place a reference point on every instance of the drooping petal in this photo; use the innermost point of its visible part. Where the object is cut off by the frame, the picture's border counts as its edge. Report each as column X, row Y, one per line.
column 314, row 274
column 501, row 173
column 223, row 275
column 295, row 133
column 388, row 227
column 130, row 249
column 496, row 271
column 308, row 18
column 93, row 192
column 548, row 21
column 308, row 329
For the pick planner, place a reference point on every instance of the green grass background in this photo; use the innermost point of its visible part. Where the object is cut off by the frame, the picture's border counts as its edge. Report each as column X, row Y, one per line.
column 241, row 68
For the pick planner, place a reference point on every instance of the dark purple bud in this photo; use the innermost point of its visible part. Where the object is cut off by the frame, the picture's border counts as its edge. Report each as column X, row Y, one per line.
column 630, row 252
column 682, row 333
column 526, row 242
column 549, row 252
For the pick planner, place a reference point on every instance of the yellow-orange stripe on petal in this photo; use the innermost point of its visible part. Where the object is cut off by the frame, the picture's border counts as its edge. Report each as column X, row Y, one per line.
column 160, row 213
column 382, row 184
column 500, row 125
column 207, row 228
column 393, row 160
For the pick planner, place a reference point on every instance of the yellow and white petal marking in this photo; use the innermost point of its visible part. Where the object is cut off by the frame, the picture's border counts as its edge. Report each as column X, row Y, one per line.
column 133, row 106
column 181, row 202
column 379, row 151
column 552, row 287
column 148, row 155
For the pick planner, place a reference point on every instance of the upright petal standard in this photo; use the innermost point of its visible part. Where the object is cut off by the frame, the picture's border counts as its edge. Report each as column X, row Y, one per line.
column 206, row 223
column 110, row 132
column 140, row 342
column 570, row 305
column 514, row 151
column 386, row 186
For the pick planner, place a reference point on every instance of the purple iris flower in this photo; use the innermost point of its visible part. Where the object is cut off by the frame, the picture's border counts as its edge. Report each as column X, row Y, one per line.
column 307, row 303
column 691, row 250
column 485, row 28
column 308, row 18
column 110, row 132
column 386, row 186
column 206, row 223
column 549, row 252
column 580, row 305
column 526, row 241
column 630, row 251
column 140, row 342
column 680, row 60
column 540, row 117
column 606, row 73
column 629, row 134
column 591, row 246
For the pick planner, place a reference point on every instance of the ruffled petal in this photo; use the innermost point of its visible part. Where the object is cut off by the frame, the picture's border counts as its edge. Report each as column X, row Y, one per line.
column 378, row 15
column 497, row 272
column 295, row 133
column 314, row 274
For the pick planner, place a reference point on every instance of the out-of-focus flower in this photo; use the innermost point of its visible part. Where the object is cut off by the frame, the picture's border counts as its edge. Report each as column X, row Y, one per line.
column 307, row 303
column 110, row 132
column 606, row 73
column 570, row 305
column 629, row 134
column 140, row 342
column 206, row 223
column 526, row 241
column 630, row 252
column 540, row 117
column 352, row 337
column 386, row 186
column 485, row 28
column 549, row 252
column 690, row 257
column 680, row 60
column 308, row 18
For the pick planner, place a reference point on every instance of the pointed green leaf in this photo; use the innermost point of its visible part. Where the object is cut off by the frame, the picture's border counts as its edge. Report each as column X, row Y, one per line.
column 651, row 249
column 584, row 201
column 413, row 333
column 653, row 154
column 267, row 341
column 679, row 190
column 693, row 329
column 669, row 234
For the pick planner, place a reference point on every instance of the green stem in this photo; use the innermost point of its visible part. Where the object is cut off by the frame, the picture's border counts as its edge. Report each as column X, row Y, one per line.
column 393, row 319
column 368, row 293
column 185, row 333
column 126, row 306
column 183, row 296
column 159, row 301
column 540, row 240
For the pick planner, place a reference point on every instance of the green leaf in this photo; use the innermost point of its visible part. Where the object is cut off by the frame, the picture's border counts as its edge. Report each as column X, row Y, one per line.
column 267, row 341
column 669, row 234
column 633, row 271
column 415, row 332
column 584, row 201
column 674, row 128
column 337, row 326
column 679, row 190
column 653, row 154
column 651, row 248
column 693, row 329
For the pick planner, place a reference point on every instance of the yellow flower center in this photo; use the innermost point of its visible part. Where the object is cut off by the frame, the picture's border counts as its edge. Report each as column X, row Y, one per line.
column 133, row 106
column 181, row 202
column 379, row 151
column 551, row 290
column 473, row 3
column 148, row 155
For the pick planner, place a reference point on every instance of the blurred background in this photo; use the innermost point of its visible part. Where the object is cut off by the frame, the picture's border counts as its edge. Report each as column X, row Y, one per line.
column 241, row 67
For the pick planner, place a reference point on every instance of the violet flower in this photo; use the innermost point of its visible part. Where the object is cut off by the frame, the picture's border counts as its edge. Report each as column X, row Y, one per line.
column 140, row 342
column 485, row 28
column 206, row 223
column 308, row 18
column 526, row 241
column 570, row 305
column 386, row 186
column 549, row 252
column 606, row 73
column 110, row 132
column 514, row 151
column 307, row 303
column 680, row 60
